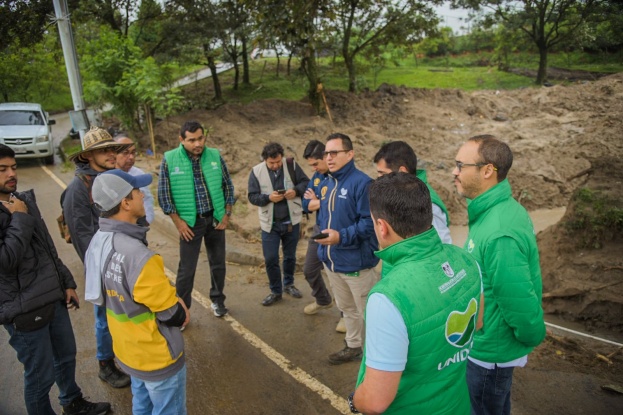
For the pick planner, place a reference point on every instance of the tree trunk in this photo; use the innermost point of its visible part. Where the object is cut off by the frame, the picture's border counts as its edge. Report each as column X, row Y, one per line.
column 289, row 63
column 278, row 61
column 236, row 74
column 352, row 75
column 246, row 79
column 218, row 94
column 541, row 75
column 312, row 76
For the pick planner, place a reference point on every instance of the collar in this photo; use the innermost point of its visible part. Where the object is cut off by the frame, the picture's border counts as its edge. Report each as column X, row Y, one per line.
column 416, row 247
column 344, row 171
column 130, row 229
column 497, row 194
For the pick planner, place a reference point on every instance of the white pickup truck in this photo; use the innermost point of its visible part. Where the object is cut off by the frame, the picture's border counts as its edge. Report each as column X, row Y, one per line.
column 26, row 129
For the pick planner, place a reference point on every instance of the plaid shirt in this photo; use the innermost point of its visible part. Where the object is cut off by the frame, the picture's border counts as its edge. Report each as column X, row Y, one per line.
column 202, row 195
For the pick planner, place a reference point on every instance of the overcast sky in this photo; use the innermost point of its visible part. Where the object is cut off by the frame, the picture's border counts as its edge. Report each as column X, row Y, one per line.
column 452, row 17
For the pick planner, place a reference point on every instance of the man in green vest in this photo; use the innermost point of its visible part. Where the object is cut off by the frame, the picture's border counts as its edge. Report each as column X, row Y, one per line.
column 502, row 239
column 196, row 191
column 421, row 317
column 398, row 156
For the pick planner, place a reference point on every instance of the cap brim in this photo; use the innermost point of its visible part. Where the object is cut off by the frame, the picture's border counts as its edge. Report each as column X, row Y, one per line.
column 142, row 180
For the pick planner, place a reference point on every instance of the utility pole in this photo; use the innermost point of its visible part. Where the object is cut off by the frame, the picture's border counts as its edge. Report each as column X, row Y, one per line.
column 79, row 117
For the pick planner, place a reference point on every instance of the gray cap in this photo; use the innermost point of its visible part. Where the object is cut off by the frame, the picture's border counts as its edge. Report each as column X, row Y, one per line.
column 112, row 186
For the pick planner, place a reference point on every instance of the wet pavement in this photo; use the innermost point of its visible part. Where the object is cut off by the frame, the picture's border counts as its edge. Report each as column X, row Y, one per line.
column 258, row 360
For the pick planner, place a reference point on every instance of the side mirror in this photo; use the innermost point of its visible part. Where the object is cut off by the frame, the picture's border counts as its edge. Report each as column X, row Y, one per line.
column 51, row 122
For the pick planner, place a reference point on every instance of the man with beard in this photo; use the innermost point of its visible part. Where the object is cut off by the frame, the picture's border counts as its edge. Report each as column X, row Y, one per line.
column 502, row 239
column 82, row 216
column 36, row 290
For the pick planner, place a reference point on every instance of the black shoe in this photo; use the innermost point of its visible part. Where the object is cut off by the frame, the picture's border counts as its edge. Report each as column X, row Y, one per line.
column 219, row 309
column 81, row 406
column 109, row 373
column 271, row 299
column 347, row 354
column 293, row 291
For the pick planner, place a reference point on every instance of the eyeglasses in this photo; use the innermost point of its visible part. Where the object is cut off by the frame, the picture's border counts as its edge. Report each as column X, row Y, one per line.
column 460, row 165
column 333, row 153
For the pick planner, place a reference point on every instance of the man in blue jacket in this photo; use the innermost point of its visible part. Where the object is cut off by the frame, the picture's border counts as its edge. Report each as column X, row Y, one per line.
column 347, row 251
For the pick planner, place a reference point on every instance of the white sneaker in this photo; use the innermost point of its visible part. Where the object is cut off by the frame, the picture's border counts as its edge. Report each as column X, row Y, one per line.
column 314, row 307
column 341, row 326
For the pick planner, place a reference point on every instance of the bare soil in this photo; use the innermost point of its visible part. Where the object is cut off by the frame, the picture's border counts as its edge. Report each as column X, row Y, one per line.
column 560, row 137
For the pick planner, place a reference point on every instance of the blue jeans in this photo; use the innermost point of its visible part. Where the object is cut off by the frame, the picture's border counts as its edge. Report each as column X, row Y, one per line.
column 288, row 236
column 48, row 356
column 489, row 389
column 163, row 397
column 103, row 338
column 214, row 241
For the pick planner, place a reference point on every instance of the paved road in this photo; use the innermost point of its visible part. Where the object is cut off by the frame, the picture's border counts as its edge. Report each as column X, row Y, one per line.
column 258, row 360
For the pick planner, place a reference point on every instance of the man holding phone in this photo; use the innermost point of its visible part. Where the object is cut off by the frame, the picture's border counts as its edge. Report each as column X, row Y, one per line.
column 277, row 191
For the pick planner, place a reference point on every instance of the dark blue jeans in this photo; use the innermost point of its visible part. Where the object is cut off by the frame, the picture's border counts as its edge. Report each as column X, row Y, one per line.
column 288, row 236
column 48, row 356
column 214, row 241
column 489, row 389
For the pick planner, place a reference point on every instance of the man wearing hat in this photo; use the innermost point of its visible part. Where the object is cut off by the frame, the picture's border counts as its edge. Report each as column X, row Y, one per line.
column 82, row 217
column 144, row 313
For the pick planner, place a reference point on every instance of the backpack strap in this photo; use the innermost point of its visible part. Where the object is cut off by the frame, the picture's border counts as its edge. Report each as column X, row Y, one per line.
column 290, row 163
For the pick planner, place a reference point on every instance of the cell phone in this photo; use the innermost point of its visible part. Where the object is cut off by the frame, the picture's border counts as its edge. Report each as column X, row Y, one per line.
column 73, row 302
column 281, row 191
column 320, row 236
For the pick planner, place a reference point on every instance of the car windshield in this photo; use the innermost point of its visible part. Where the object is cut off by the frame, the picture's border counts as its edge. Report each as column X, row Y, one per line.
column 21, row 117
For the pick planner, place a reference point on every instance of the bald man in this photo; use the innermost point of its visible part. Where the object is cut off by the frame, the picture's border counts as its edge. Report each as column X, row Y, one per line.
column 125, row 161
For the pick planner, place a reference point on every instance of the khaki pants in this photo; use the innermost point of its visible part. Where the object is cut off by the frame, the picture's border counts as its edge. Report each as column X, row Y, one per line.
column 350, row 296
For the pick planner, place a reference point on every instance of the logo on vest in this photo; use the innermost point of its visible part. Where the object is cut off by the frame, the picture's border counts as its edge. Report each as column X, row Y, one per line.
column 470, row 246
column 323, row 192
column 316, row 181
column 343, row 193
column 460, row 327
column 176, row 171
column 214, row 165
column 447, row 269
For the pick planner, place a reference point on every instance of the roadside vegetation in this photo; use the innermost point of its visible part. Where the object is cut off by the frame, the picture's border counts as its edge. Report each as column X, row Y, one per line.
column 131, row 51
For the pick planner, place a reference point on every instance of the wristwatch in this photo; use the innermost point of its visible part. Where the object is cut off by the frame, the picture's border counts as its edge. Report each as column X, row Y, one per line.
column 228, row 213
column 351, row 405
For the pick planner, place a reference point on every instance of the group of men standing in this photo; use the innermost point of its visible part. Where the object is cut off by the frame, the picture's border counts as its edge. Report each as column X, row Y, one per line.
column 444, row 327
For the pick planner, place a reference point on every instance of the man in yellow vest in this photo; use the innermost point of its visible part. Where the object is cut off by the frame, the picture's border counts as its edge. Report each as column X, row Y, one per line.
column 276, row 189
column 196, row 191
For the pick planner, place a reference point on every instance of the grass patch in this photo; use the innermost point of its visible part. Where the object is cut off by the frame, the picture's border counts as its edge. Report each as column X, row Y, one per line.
column 596, row 218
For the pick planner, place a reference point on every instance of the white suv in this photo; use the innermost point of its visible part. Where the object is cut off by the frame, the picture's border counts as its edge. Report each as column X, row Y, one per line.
column 26, row 129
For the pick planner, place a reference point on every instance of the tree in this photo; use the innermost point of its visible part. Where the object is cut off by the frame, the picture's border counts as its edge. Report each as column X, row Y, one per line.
column 546, row 22
column 297, row 23
column 368, row 23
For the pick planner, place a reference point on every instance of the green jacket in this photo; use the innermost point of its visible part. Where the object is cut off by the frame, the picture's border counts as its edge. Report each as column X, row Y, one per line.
column 435, row 199
column 183, row 184
column 502, row 239
column 436, row 287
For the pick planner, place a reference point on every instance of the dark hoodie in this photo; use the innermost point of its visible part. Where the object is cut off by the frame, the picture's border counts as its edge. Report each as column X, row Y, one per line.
column 81, row 214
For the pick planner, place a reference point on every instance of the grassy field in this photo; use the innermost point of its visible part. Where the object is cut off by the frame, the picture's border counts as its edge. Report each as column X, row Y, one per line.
column 468, row 72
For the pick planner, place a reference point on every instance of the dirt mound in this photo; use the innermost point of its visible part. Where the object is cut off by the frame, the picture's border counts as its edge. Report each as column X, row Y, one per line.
column 556, row 135
column 581, row 256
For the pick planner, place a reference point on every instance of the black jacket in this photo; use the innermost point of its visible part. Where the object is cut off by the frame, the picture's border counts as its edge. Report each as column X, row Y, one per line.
column 31, row 273
column 81, row 214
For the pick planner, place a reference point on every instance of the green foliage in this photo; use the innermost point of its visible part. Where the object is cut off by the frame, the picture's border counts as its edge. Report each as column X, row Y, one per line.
column 596, row 218
column 35, row 74
column 117, row 74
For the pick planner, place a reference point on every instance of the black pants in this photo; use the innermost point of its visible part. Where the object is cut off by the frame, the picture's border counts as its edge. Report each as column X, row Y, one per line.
column 189, row 254
column 312, row 271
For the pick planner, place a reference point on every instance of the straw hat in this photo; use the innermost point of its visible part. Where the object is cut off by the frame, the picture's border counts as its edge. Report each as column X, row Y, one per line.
column 95, row 139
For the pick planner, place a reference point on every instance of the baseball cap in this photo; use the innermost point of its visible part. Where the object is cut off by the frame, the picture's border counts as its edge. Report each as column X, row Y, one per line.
column 112, row 186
